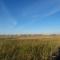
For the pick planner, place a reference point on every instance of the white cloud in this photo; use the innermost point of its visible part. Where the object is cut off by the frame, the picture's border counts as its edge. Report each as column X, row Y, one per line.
column 51, row 12
column 10, row 20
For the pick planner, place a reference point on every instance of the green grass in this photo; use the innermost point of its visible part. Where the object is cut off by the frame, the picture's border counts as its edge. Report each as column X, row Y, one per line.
column 29, row 49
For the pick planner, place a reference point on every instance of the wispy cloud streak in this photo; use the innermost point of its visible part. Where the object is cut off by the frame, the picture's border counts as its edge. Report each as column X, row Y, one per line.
column 10, row 20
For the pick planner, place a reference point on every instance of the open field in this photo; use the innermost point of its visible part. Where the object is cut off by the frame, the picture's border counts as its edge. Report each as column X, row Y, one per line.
column 29, row 48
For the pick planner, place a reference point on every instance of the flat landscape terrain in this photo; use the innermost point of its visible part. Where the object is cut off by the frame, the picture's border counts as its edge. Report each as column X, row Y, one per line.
column 35, row 47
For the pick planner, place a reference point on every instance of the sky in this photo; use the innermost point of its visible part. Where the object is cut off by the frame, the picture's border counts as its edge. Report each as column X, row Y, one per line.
column 29, row 16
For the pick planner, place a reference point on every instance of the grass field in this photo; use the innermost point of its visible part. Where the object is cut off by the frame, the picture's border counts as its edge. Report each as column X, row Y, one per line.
column 29, row 48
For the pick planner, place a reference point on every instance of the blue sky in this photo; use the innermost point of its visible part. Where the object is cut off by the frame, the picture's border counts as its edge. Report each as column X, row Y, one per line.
column 29, row 16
